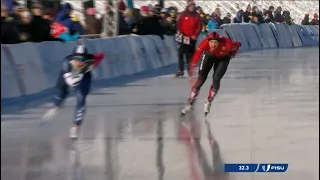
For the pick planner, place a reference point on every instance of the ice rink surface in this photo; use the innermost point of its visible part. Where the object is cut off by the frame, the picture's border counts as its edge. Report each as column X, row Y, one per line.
column 267, row 111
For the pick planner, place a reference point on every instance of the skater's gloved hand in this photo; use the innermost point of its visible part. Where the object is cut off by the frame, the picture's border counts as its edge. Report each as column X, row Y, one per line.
column 231, row 54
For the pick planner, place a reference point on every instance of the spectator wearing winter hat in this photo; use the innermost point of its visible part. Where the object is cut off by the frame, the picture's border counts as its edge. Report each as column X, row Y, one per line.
column 144, row 11
column 189, row 26
column 227, row 19
column 269, row 15
column 213, row 22
column 25, row 27
column 305, row 20
column 239, row 17
column 315, row 20
column 63, row 17
column 122, row 6
column 246, row 14
column 278, row 18
column 9, row 29
column 147, row 24
column 163, row 14
column 93, row 25
column 287, row 17
column 40, row 30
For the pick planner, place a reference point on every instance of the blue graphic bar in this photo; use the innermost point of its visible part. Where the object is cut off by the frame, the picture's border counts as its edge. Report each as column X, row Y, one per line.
column 272, row 168
column 240, row 167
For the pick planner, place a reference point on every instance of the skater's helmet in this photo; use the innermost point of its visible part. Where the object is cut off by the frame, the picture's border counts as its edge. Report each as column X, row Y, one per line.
column 79, row 52
column 214, row 36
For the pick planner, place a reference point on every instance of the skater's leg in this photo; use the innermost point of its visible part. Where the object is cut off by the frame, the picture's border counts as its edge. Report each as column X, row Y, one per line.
column 180, row 60
column 60, row 96
column 205, row 67
column 220, row 69
column 62, row 92
column 81, row 94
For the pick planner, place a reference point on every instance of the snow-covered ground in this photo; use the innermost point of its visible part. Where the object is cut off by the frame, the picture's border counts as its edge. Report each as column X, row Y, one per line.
column 297, row 8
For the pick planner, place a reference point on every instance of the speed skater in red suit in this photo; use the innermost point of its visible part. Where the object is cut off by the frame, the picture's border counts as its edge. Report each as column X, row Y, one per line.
column 216, row 52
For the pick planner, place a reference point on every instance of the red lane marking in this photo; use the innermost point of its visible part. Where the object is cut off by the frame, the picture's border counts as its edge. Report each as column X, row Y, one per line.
column 187, row 139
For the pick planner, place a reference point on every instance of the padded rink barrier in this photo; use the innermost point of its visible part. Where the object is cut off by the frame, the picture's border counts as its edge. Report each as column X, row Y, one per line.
column 236, row 33
column 9, row 77
column 282, row 35
column 307, row 37
column 42, row 62
column 252, row 36
column 125, row 55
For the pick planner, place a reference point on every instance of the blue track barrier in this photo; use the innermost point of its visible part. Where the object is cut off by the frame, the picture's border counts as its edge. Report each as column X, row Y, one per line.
column 30, row 68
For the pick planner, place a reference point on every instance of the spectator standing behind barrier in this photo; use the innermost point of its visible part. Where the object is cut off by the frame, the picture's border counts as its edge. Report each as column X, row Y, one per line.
column 76, row 20
column 227, row 19
column 305, row 20
column 93, row 25
column 40, row 30
column 218, row 14
column 278, row 18
column 269, row 15
column 63, row 18
column 9, row 30
column 315, row 20
column 25, row 27
column 246, row 14
column 167, row 22
column 287, row 18
column 239, row 17
column 149, row 23
column 124, row 27
column 189, row 27
column 213, row 22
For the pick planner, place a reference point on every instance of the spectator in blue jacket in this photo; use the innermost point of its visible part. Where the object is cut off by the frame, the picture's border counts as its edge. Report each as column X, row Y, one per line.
column 213, row 22
column 64, row 18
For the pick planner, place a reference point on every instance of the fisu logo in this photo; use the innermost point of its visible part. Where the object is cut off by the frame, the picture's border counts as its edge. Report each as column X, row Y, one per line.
column 266, row 168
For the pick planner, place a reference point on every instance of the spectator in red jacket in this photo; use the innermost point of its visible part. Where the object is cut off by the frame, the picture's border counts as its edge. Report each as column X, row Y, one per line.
column 189, row 27
column 315, row 20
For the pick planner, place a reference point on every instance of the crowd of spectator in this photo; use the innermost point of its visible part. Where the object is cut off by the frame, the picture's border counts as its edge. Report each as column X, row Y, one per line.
column 37, row 24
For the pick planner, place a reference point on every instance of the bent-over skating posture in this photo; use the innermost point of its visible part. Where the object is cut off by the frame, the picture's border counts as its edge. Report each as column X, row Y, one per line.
column 75, row 75
column 216, row 52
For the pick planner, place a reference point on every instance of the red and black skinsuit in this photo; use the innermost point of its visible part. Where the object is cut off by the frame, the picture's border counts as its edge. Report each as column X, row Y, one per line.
column 218, row 59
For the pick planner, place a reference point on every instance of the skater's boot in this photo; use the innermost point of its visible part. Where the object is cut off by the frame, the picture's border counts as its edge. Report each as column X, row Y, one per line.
column 191, row 101
column 212, row 94
column 179, row 74
column 207, row 106
column 186, row 109
column 50, row 114
column 74, row 131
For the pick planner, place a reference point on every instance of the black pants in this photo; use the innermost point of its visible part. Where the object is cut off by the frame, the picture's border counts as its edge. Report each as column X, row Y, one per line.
column 188, row 51
column 219, row 65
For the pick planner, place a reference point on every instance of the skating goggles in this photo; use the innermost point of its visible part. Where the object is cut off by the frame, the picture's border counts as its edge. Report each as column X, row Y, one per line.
column 78, row 58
